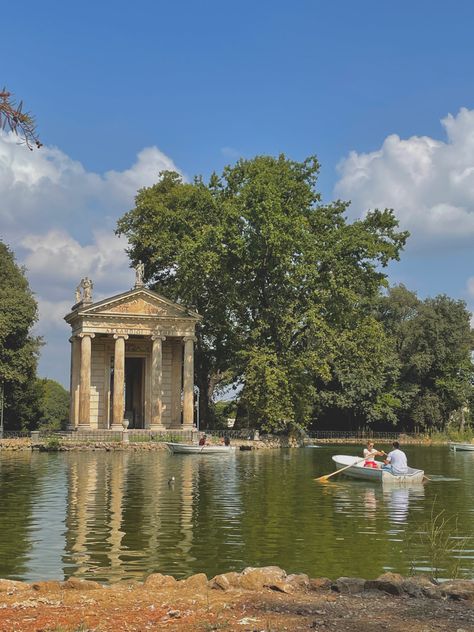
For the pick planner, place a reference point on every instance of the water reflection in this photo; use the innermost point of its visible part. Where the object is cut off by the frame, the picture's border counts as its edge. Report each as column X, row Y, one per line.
column 110, row 516
column 370, row 503
column 397, row 500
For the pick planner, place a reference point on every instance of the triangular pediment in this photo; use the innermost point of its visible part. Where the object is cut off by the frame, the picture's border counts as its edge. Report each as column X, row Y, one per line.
column 139, row 302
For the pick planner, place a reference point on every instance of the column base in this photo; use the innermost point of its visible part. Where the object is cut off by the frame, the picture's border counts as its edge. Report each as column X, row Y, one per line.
column 158, row 427
column 116, row 427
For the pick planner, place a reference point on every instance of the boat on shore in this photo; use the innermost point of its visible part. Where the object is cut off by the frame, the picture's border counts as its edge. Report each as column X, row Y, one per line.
column 466, row 447
column 195, row 448
column 357, row 470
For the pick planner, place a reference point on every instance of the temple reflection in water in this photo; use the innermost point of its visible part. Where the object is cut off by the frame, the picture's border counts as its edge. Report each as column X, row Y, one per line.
column 116, row 523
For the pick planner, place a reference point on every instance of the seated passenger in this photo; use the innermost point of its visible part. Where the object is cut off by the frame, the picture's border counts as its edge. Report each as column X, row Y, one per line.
column 369, row 455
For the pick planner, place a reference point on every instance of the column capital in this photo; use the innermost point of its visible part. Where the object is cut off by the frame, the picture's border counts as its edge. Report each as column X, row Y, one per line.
column 86, row 333
column 158, row 336
column 117, row 336
column 189, row 338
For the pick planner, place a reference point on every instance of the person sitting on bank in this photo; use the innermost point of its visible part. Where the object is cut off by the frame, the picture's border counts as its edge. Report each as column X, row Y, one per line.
column 396, row 461
column 202, row 440
column 227, row 440
column 369, row 455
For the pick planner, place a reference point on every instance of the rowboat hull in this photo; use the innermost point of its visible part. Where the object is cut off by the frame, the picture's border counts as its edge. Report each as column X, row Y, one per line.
column 357, row 470
column 192, row 448
column 466, row 447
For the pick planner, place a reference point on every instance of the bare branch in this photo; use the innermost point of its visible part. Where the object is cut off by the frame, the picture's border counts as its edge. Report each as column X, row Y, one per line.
column 14, row 119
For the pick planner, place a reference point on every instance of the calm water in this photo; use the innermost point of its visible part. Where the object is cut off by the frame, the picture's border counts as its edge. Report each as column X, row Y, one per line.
column 107, row 517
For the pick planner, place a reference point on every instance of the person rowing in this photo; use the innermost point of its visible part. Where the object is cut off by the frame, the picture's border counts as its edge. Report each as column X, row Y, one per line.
column 369, row 455
column 396, row 461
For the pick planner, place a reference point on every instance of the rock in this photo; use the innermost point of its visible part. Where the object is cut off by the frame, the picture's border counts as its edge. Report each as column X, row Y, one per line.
column 226, row 581
column 419, row 586
column 11, row 586
column 299, row 581
column 47, row 586
column 395, row 578
column 349, row 585
column 319, row 583
column 74, row 583
column 195, row 582
column 157, row 580
column 258, row 578
column 390, row 583
column 458, row 589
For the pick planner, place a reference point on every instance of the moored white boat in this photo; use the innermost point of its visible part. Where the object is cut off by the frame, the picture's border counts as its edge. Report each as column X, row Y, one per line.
column 357, row 470
column 194, row 448
column 467, row 447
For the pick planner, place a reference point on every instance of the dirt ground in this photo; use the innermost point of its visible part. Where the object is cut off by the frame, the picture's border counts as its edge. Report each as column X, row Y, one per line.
column 76, row 606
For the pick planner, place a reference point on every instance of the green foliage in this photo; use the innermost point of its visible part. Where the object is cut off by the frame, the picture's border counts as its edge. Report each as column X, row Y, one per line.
column 224, row 410
column 440, row 537
column 18, row 348
column 433, row 341
column 53, row 405
column 281, row 279
column 52, row 444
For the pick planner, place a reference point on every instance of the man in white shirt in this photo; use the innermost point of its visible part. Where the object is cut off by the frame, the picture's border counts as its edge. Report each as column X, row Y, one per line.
column 396, row 461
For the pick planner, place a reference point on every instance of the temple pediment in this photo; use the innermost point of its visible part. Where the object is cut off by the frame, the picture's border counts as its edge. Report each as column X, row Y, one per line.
column 138, row 303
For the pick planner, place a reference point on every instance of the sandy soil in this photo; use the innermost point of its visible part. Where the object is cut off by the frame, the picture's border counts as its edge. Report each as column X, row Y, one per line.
column 75, row 606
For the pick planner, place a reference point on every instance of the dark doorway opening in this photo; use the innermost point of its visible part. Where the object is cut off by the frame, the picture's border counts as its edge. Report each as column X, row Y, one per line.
column 135, row 392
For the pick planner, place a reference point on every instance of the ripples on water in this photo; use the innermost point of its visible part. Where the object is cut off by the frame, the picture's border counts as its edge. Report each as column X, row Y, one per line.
column 110, row 516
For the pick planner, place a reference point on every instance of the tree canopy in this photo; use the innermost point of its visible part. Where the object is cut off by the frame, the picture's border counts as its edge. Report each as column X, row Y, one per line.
column 433, row 342
column 287, row 286
column 18, row 347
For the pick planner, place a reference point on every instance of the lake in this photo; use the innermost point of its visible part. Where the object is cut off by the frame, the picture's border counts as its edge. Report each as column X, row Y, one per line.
column 111, row 516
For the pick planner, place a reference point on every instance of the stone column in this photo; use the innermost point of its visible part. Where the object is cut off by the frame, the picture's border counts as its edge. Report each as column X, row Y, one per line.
column 85, row 380
column 156, row 382
column 119, row 382
column 188, row 382
column 74, row 382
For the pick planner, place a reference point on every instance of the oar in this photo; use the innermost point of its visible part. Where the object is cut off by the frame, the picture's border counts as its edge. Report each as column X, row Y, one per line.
column 346, row 467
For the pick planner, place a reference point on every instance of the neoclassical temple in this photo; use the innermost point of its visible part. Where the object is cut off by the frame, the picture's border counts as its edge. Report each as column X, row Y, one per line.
column 132, row 357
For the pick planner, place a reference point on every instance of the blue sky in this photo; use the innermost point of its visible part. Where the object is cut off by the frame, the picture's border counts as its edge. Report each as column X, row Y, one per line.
column 122, row 90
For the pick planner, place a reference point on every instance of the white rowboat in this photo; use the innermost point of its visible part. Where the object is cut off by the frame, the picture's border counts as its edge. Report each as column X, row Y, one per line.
column 467, row 447
column 371, row 474
column 194, row 448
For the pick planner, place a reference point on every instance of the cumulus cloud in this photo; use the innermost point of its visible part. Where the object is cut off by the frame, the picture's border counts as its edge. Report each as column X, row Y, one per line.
column 429, row 183
column 48, row 188
column 59, row 219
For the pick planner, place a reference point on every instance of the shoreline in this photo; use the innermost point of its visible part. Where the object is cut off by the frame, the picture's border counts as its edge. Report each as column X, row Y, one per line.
column 266, row 599
column 44, row 445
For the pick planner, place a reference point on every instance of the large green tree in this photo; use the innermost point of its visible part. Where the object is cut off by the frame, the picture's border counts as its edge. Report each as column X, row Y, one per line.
column 18, row 347
column 279, row 277
column 433, row 340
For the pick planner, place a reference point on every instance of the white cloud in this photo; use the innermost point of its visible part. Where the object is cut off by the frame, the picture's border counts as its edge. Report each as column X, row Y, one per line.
column 429, row 183
column 59, row 219
column 48, row 188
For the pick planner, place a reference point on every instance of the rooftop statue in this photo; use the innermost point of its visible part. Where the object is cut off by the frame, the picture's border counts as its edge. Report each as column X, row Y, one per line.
column 83, row 292
column 139, row 272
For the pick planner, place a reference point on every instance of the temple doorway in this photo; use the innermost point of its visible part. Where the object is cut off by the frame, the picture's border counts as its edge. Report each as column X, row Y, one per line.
column 135, row 392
